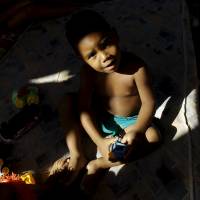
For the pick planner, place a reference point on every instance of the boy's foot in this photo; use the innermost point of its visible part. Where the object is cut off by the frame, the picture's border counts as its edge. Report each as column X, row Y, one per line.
column 73, row 164
column 59, row 165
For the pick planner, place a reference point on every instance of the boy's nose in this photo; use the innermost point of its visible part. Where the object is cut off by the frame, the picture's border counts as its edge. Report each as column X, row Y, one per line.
column 104, row 56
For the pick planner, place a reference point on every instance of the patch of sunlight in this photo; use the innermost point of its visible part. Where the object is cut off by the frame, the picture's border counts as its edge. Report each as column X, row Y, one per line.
column 160, row 109
column 53, row 78
column 187, row 118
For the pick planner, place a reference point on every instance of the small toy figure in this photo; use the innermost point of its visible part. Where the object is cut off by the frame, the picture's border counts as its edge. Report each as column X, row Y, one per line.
column 26, row 95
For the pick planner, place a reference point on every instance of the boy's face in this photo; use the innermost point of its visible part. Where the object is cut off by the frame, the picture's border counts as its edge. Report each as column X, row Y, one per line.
column 100, row 51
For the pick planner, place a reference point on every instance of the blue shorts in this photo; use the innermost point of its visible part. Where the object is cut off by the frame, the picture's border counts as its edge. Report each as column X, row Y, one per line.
column 114, row 125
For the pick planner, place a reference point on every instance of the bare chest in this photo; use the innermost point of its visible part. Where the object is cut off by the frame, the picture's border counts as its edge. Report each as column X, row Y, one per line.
column 115, row 85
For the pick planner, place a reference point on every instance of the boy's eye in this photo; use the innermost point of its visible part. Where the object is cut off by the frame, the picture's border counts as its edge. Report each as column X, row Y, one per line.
column 91, row 54
column 106, row 41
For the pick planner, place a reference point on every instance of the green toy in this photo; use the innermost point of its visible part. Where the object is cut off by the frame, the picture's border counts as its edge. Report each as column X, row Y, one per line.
column 26, row 95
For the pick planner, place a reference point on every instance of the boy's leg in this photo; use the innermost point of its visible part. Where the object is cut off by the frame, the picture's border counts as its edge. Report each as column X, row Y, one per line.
column 100, row 164
column 145, row 145
column 153, row 135
column 153, row 138
column 70, row 122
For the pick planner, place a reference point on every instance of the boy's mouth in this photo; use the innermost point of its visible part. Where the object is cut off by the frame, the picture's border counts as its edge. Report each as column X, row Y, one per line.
column 111, row 63
column 111, row 66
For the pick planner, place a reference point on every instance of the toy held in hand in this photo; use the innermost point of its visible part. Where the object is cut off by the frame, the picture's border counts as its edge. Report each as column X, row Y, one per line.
column 118, row 151
column 26, row 95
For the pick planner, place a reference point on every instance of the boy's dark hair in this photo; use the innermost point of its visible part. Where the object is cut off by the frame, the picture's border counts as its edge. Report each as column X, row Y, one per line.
column 83, row 23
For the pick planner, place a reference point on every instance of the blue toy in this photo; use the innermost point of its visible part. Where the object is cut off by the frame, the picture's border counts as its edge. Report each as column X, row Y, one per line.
column 117, row 151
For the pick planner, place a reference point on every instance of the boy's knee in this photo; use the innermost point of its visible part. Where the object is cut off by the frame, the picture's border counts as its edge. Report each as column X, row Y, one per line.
column 153, row 135
column 92, row 167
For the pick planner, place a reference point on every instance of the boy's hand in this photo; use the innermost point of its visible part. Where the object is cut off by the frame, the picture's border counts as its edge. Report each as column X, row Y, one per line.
column 103, row 146
column 130, row 137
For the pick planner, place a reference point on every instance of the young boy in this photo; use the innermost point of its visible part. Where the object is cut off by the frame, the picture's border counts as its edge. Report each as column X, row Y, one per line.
column 116, row 97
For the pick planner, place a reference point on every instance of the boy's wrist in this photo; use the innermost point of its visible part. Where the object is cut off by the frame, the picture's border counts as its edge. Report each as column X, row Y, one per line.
column 98, row 141
column 75, row 154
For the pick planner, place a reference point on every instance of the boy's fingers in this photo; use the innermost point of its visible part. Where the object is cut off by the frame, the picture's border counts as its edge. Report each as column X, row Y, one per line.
column 123, row 140
column 112, row 140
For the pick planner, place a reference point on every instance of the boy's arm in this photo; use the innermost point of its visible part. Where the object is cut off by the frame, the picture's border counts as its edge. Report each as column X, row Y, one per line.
column 86, row 114
column 87, row 117
column 147, row 109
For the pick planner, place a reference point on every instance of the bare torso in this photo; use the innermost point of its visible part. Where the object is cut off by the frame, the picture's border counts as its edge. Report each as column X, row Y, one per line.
column 117, row 92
